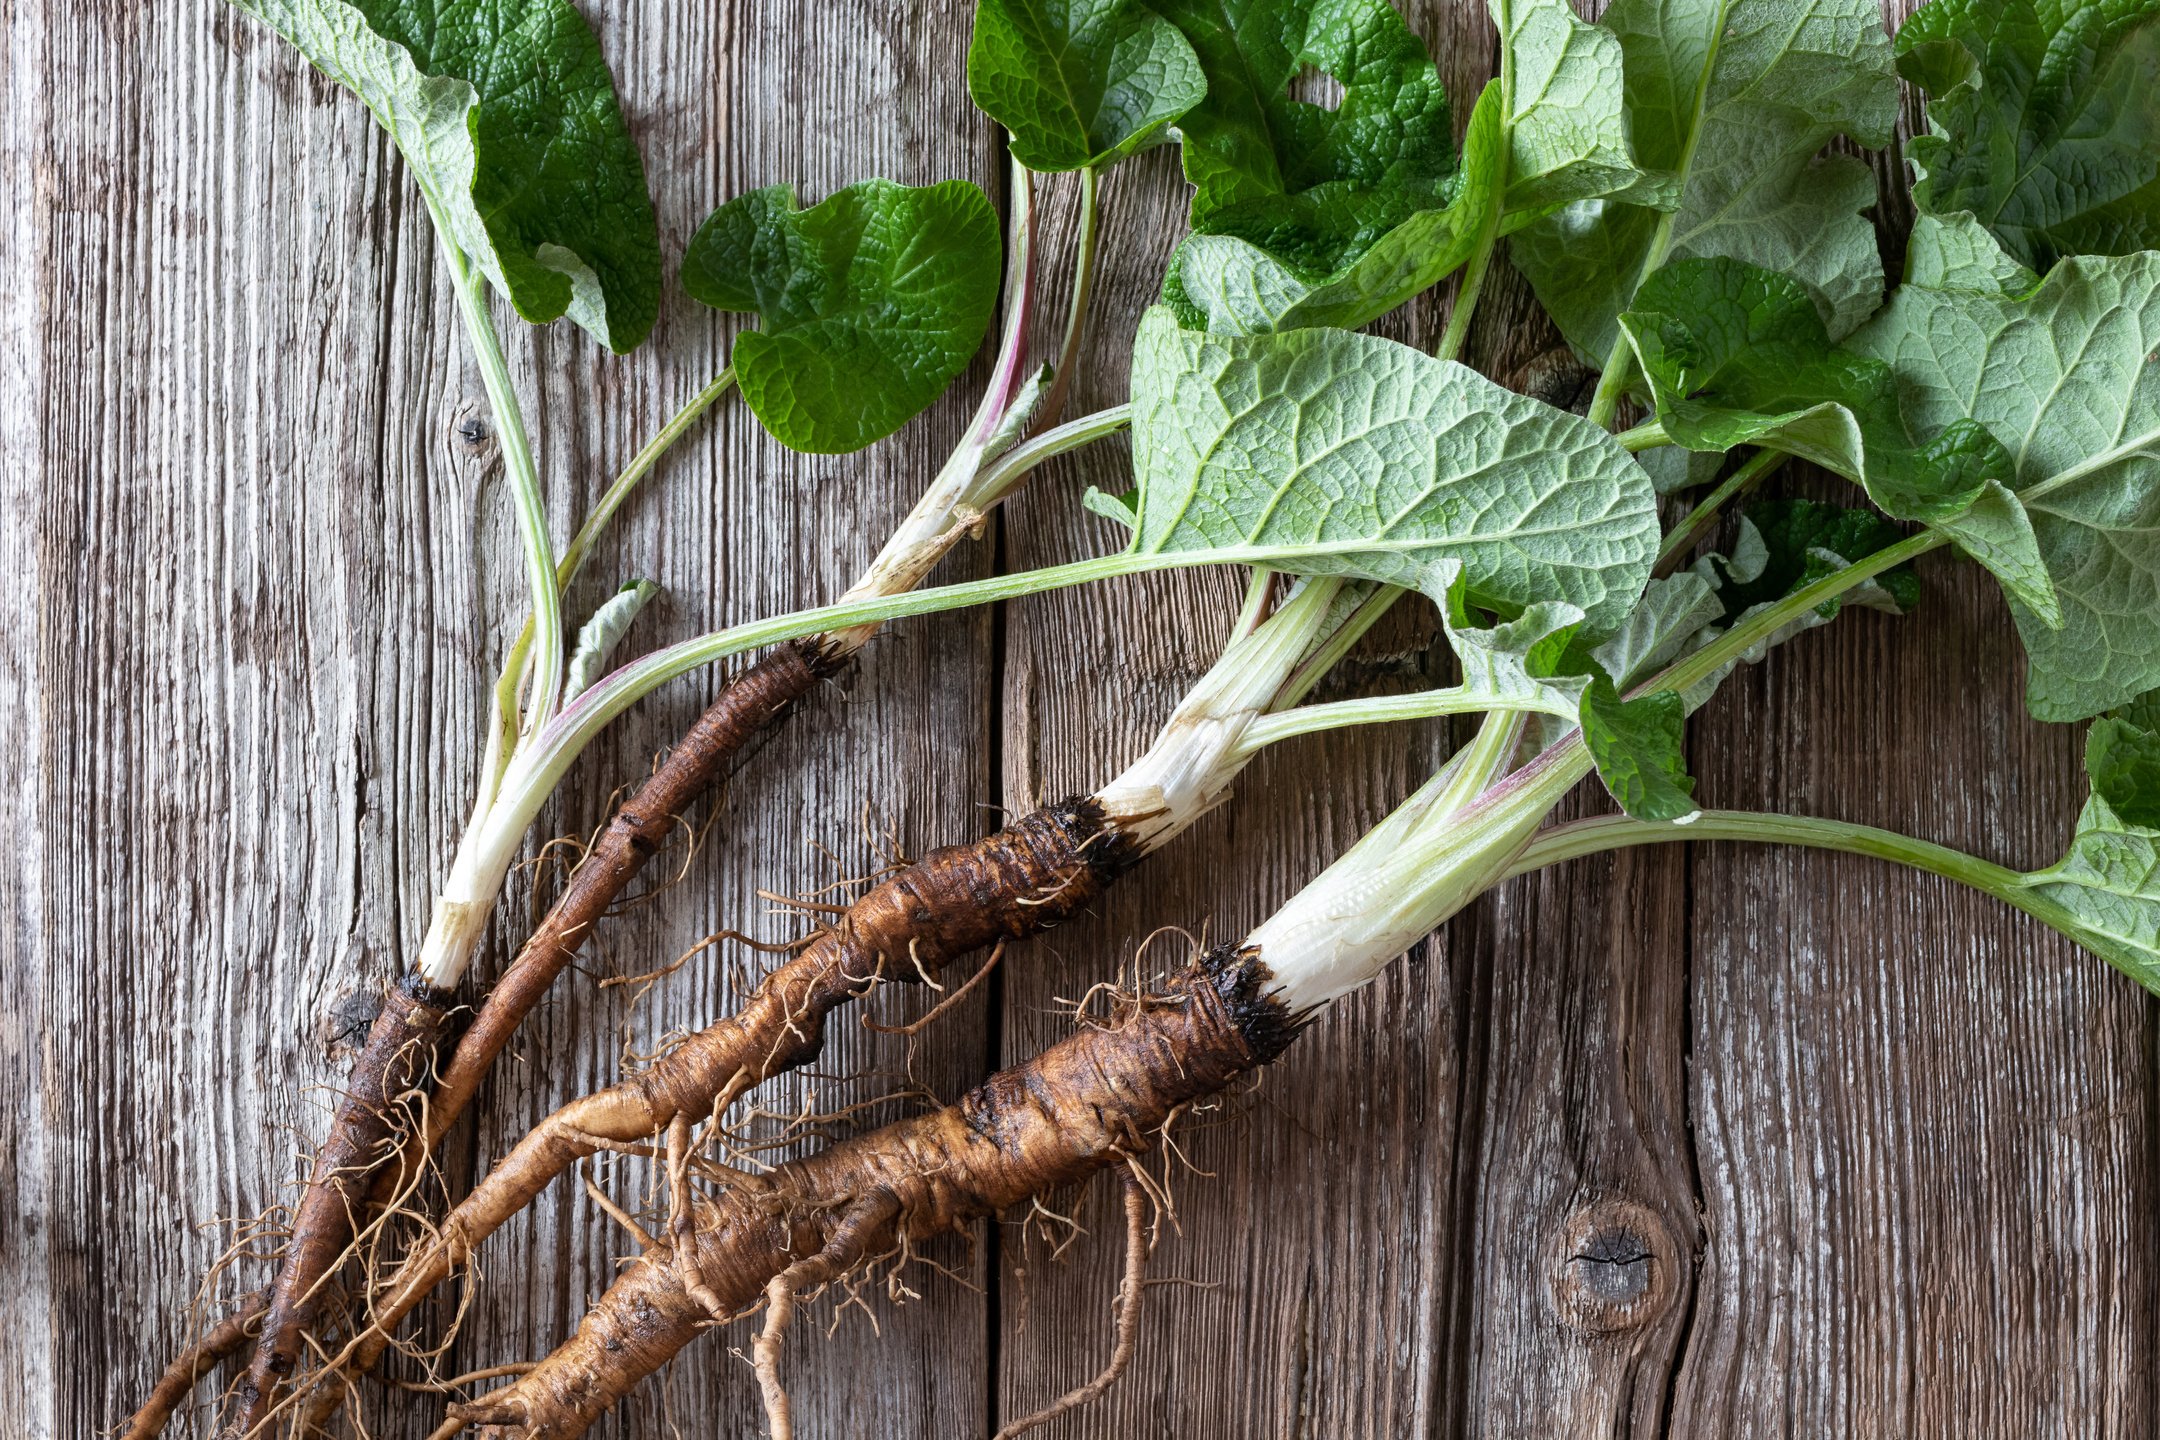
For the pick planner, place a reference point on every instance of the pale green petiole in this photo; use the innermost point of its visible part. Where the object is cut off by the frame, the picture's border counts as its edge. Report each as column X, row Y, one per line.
column 547, row 647
column 1700, row 665
column 572, row 564
column 1381, row 710
column 1691, row 527
column 1614, row 832
column 641, row 464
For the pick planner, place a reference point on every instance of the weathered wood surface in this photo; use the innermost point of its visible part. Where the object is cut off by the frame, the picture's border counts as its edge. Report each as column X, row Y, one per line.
column 1704, row 1141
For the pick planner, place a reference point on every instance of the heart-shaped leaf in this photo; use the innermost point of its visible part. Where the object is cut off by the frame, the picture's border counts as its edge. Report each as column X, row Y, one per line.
column 869, row 303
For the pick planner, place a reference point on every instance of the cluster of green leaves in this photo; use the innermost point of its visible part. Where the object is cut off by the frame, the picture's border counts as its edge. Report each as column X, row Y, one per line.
column 2042, row 122
column 2014, row 412
column 1734, row 101
column 1299, row 218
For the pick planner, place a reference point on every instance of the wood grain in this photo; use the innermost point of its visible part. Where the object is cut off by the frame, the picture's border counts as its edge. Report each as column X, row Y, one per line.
column 1701, row 1141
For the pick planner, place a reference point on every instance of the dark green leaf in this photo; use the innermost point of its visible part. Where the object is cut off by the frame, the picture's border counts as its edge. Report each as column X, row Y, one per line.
column 1079, row 83
column 1312, row 185
column 1232, row 286
column 2043, row 118
column 869, row 303
column 1802, row 542
column 1552, row 126
column 1637, row 747
column 2123, row 759
column 507, row 115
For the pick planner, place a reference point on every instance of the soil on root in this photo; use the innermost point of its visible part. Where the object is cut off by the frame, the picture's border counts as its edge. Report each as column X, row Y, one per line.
column 1026, row 878
column 1094, row 1100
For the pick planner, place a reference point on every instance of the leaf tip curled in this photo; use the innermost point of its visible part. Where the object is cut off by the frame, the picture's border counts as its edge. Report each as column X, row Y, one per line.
column 1125, row 508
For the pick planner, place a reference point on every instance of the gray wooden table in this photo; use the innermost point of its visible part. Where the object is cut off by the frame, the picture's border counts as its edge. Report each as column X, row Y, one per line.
column 1706, row 1141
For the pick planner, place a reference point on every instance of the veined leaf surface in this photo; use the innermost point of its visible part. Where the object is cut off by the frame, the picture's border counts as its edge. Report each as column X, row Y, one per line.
column 869, row 302
column 1737, row 98
column 1079, row 83
column 2107, row 886
column 1348, row 454
column 507, row 116
column 2042, row 120
column 1736, row 355
column 2064, row 378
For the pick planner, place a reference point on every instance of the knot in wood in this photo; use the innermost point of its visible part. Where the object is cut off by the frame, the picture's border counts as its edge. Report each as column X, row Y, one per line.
column 1615, row 1265
column 474, row 433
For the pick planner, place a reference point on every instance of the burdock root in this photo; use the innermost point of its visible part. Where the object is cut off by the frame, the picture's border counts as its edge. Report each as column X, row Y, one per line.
column 371, row 1121
column 952, row 902
column 755, row 699
column 1094, row 1100
column 365, row 1145
column 221, row 1340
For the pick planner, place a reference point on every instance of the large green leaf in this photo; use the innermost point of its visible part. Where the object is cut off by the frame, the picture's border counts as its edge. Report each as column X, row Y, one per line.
column 507, row 115
column 1079, row 83
column 2043, row 121
column 1311, row 184
column 869, row 303
column 1738, row 98
column 2105, row 893
column 1566, row 120
column 1230, row 285
column 1347, row 454
column 2064, row 377
column 1736, row 355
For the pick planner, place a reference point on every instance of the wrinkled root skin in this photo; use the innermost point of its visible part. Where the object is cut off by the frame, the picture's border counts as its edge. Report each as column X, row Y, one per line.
column 1091, row 1101
column 225, row 1338
column 755, row 699
column 1022, row 880
column 397, row 1059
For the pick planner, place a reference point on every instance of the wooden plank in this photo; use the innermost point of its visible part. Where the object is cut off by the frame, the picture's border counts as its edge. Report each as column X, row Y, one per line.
column 749, row 529
column 264, row 541
column 1704, row 1141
